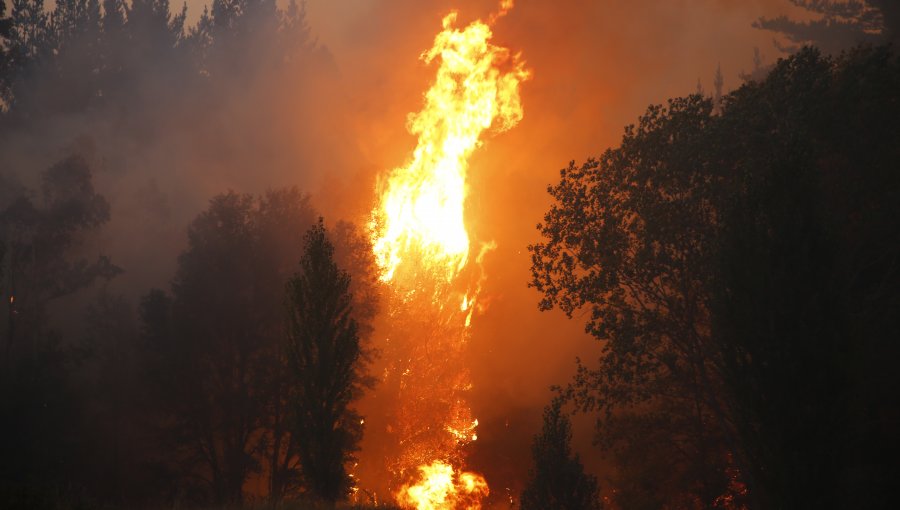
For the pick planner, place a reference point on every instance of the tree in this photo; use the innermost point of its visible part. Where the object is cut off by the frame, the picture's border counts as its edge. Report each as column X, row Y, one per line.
column 838, row 25
column 558, row 480
column 326, row 359
column 41, row 417
column 740, row 269
column 114, row 452
column 805, row 292
column 212, row 348
column 629, row 238
column 43, row 241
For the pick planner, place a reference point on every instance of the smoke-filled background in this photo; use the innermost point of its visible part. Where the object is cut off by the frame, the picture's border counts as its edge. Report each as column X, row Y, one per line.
column 253, row 96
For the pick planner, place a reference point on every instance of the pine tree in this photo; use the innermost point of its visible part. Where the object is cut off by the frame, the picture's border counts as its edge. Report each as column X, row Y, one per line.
column 558, row 480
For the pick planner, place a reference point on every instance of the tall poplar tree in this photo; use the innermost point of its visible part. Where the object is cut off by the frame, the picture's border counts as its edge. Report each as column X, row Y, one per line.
column 327, row 361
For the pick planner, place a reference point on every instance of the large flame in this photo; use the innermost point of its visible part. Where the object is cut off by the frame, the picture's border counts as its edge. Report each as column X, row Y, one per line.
column 420, row 217
column 441, row 487
column 421, row 244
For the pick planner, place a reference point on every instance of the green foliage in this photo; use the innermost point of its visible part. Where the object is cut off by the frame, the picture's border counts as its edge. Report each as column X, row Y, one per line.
column 558, row 480
column 326, row 362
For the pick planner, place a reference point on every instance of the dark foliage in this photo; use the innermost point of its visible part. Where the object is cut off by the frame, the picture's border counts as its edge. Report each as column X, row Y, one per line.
column 326, row 361
column 221, row 385
column 558, row 480
column 212, row 346
column 837, row 25
column 41, row 417
column 806, row 289
column 184, row 397
column 740, row 269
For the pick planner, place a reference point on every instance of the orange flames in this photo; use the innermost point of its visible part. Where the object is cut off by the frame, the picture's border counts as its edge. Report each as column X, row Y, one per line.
column 420, row 216
column 422, row 246
column 440, row 487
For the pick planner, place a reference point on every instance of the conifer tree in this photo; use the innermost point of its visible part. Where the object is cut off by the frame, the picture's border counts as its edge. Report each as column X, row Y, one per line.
column 558, row 480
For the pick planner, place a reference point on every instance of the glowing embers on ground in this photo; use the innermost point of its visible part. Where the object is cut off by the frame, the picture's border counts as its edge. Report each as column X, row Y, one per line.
column 440, row 486
column 422, row 247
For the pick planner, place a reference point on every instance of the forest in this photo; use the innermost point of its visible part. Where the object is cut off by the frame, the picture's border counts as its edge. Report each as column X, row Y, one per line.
column 181, row 338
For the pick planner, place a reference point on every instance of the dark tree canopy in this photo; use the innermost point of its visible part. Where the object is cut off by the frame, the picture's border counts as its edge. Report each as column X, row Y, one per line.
column 212, row 348
column 735, row 264
column 838, row 24
column 181, row 398
column 327, row 363
column 224, row 386
column 558, row 480
column 43, row 261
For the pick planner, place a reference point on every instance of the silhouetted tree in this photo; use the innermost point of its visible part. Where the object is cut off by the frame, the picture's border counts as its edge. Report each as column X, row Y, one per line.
column 42, row 424
column 213, row 355
column 558, row 480
column 806, row 292
column 352, row 252
column 838, row 25
column 759, row 71
column 213, row 347
column 326, row 361
column 42, row 240
column 630, row 238
column 741, row 271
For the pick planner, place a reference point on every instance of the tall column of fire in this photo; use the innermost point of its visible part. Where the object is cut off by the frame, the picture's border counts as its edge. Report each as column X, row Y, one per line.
column 432, row 267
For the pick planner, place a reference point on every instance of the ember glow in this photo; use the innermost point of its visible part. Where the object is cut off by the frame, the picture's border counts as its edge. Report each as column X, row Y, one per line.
column 441, row 487
column 422, row 246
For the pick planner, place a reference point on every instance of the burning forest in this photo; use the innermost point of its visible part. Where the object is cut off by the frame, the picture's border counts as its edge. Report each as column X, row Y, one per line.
column 279, row 254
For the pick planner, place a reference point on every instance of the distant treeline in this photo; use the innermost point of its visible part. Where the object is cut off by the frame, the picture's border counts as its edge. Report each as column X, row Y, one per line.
column 79, row 56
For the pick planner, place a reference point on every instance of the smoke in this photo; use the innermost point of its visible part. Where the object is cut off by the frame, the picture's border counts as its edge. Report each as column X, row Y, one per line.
column 171, row 139
column 333, row 121
column 596, row 66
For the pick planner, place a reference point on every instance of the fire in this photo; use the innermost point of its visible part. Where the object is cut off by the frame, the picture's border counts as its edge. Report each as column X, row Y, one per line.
column 440, row 487
column 420, row 217
column 422, row 247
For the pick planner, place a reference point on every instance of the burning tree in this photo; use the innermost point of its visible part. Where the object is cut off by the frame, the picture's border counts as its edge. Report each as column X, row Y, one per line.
column 423, row 248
